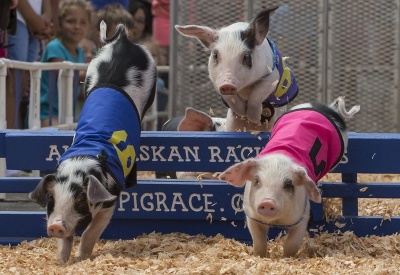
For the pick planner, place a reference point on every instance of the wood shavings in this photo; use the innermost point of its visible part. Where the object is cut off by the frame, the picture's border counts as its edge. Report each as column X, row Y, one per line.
column 340, row 225
column 212, row 112
column 209, row 217
column 363, row 189
column 179, row 253
column 200, row 182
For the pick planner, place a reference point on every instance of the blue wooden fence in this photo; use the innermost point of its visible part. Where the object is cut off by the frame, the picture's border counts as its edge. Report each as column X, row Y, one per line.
column 198, row 207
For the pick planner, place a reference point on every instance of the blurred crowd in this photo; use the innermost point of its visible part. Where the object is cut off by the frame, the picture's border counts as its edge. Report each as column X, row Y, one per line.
column 68, row 30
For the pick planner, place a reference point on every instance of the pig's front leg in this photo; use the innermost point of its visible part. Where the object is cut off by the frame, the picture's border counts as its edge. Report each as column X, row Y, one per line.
column 64, row 247
column 260, row 92
column 295, row 238
column 237, row 104
column 258, row 233
column 93, row 232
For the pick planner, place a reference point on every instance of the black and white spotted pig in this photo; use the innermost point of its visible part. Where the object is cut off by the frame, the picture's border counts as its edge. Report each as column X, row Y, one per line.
column 120, row 86
column 193, row 120
column 247, row 70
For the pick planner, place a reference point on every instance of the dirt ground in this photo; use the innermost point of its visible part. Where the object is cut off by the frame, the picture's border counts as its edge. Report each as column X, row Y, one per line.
column 177, row 253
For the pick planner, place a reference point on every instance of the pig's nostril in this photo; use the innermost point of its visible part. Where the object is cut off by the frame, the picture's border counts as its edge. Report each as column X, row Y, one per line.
column 267, row 208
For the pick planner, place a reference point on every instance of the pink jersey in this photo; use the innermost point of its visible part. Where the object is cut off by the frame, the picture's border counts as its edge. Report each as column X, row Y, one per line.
column 308, row 137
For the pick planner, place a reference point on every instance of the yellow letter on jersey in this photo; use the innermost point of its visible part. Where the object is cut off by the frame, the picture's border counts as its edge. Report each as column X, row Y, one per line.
column 126, row 154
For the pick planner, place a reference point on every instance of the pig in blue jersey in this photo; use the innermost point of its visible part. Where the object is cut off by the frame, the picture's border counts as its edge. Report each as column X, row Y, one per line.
column 109, row 127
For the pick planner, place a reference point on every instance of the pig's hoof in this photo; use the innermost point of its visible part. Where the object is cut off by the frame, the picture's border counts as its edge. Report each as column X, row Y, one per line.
column 83, row 256
column 64, row 258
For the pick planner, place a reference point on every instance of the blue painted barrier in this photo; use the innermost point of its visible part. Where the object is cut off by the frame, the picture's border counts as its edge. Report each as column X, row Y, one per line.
column 191, row 206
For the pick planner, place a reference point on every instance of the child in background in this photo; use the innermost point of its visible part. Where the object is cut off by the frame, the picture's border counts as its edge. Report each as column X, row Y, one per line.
column 74, row 24
column 89, row 48
column 112, row 15
column 141, row 34
column 141, row 30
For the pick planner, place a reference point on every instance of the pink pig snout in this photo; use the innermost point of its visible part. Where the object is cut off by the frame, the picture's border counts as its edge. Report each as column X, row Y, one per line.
column 57, row 230
column 267, row 208
column 227, row 89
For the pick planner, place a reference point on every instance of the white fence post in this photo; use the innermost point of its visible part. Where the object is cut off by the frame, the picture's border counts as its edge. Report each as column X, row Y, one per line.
column 66, row 95
column 34, row 101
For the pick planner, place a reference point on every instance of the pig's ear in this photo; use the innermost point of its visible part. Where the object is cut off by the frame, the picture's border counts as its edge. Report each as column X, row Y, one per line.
column 301, row 178
column 195, row 120
column 39, row 194
column 258, row 28
column 96, row 192
column 238, row 174
column 207, row 36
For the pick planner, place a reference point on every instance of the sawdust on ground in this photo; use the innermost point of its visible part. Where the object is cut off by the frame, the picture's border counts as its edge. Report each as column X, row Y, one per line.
column 177, row 253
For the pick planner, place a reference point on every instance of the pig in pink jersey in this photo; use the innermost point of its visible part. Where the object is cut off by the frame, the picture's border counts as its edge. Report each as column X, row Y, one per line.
column 308, row 137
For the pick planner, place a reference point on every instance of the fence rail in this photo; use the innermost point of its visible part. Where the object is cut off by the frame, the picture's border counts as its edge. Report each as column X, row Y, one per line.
column 199, row 206
column 65, row 82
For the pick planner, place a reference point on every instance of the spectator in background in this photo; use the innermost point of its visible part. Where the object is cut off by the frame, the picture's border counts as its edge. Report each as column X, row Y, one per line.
column 141, row 34
column 112, row 14
column 33, row 24
column 74, row 24
column 8, row 22
column 160, row 11
column 141, row 30
column 89, row 48
column 100, row 4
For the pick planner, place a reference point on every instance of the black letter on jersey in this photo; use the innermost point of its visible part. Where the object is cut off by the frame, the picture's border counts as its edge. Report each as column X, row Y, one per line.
column 318, row 168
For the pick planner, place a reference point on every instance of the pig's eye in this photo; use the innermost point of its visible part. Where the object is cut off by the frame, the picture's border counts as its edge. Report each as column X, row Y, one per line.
column 50, row 198
column 215, row 56
column 81, row 197
column 256, row 182
column 288, row 185
column 247, row 60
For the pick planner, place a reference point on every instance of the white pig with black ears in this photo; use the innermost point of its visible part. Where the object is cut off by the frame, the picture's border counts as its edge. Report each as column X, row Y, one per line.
column 120, row 86
column 247, row 70
column 306, row 143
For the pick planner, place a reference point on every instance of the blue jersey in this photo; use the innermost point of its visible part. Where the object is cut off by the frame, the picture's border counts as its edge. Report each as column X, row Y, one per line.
column 109, row 125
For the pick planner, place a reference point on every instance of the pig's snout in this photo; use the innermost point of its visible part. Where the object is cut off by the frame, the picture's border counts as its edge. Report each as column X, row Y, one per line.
column 228, row 89
column 267, row 208
column 56, row 230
